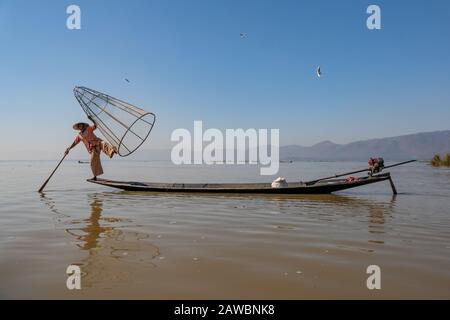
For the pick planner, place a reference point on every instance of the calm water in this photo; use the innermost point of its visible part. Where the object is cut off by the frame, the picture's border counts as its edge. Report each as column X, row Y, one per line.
column 137, row 245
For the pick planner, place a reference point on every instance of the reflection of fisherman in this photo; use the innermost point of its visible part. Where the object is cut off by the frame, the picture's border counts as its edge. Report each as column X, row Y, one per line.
column 93, row 144
column 93, row 228
column 376, row 165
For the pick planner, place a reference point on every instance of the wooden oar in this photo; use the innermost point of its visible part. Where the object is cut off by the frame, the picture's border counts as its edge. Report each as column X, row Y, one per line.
column 357, row 171
column 51, row 175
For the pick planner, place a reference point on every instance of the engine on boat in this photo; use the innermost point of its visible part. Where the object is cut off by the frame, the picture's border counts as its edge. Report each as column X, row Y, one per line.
column 376, row 165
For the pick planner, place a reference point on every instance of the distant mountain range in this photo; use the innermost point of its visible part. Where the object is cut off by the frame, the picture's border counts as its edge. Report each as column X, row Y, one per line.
column 421, row 146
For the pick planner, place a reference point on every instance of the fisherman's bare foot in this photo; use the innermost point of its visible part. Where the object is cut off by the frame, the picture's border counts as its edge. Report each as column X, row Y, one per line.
column 113, row 152
column 94, row 178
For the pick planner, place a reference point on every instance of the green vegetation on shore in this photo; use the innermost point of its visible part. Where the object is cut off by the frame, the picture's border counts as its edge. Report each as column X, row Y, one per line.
column 437, row 161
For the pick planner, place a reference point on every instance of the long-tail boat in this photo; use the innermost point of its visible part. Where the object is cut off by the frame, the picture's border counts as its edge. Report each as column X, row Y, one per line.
column 319, row 186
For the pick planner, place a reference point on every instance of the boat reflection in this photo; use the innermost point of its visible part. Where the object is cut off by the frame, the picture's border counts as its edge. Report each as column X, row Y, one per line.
column 376, row 213
column 331, row 208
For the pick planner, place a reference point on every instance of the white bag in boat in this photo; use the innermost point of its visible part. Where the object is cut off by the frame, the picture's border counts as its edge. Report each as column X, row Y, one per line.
column 279, row 183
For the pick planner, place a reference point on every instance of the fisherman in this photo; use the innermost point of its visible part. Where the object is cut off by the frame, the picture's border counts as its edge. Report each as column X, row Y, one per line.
column 94, row 145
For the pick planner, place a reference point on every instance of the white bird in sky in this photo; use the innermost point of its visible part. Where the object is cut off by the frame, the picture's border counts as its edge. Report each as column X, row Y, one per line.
column 319, row 72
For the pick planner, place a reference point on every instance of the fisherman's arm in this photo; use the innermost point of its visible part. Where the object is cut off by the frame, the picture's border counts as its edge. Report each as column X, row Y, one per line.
column 93, row 121
column 77, row 141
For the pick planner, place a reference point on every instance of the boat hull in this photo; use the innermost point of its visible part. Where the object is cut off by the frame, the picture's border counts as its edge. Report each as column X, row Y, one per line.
column 322, row 187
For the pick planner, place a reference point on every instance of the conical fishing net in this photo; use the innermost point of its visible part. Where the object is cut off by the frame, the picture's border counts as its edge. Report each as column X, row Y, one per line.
column 123, row 125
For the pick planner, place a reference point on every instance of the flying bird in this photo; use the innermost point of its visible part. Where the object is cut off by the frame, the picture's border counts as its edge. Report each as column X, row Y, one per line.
column 319, row 72
column 243, row 35
column 127, row 80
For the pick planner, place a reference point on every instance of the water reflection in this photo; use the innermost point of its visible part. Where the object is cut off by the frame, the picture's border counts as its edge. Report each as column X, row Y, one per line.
column 375, row 214
column 115, row 254
column 93, row 230
column 113, row 251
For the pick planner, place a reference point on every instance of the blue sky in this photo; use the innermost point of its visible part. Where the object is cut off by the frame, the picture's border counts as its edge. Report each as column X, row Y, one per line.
column 186, row 61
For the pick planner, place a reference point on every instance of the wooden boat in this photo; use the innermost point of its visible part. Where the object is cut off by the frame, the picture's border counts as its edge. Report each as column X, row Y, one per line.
column 320, row 187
